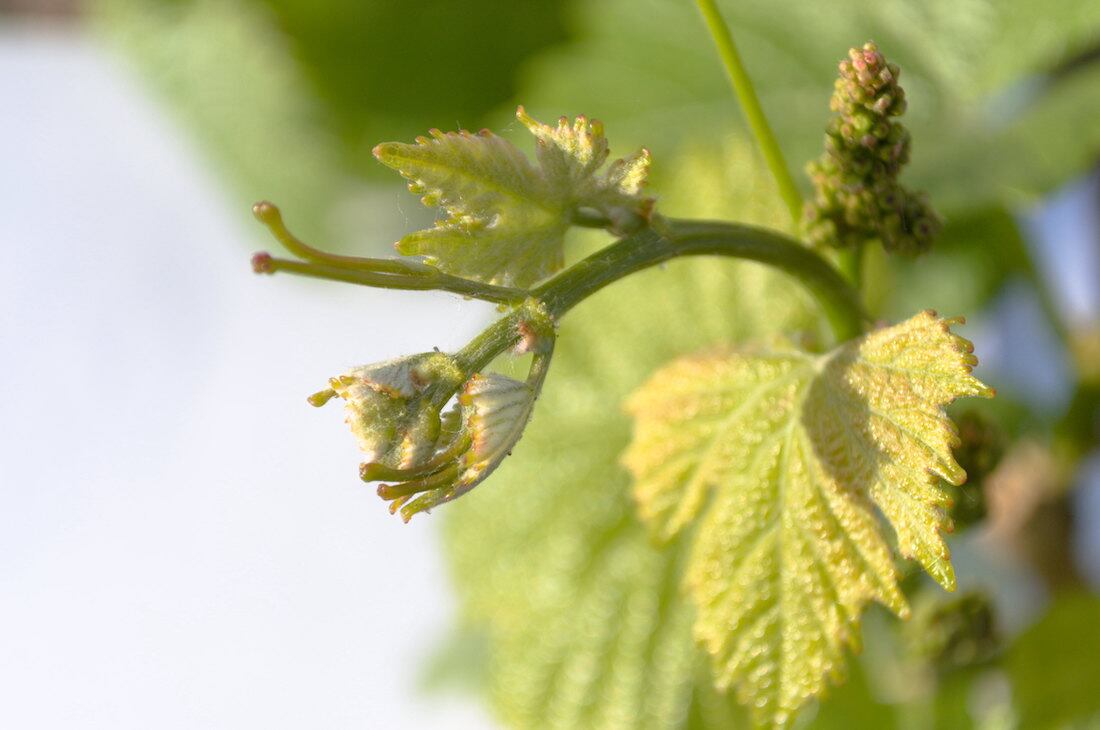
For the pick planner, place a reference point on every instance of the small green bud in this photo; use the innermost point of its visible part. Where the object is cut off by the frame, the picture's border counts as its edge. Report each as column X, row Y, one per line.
column 490, row 417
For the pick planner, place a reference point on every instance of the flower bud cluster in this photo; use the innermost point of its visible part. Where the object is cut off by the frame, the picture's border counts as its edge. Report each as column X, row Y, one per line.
column 427, row 455
column 856, row 193
column 393, row 407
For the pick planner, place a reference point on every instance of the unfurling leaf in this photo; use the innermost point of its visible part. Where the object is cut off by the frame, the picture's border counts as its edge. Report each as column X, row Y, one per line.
column 783, row 457
column 505, row 219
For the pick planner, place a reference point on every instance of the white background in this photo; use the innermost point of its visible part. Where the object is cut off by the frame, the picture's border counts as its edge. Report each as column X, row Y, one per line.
column 184, row 542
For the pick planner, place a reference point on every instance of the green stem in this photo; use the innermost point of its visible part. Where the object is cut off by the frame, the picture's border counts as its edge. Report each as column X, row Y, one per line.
column 493, row 340
column 750, row 105
column 838, row 300
column 850, row 263
column 426, row 279
column 662, row 241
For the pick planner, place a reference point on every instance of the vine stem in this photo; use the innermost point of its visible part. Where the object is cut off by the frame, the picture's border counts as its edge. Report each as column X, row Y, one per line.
column 662, row 241
column 391, row 273
column 669, row 239
column 850, row 263
column 750, row 105
column 650, row 247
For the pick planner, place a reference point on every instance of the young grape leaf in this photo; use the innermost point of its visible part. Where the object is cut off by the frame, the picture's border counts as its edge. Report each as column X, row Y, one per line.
column 782, row 457
column 506, row 219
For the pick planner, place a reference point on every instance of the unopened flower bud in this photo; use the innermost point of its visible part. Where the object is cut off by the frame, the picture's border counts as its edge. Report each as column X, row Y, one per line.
column 393, row 407
column 480, row 433
column 858, row 197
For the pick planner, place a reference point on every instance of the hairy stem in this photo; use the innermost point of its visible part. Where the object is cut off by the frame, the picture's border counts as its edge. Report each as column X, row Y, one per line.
column 838, row 300
column 662, row 241
column 750, row 105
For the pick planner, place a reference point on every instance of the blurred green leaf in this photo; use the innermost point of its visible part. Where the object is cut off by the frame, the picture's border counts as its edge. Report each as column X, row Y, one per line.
column 974, row 256
column 389, row 69
column 226, row 69
column 1055, row 664
column 287, row 97
column 459, row 663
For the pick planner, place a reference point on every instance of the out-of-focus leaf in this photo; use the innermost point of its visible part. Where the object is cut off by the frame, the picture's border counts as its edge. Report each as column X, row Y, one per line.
column 387, row 69
column 226, row 69
column 973, row 257
column 587, row 624
column 1055, row 665
column 854, row 706
column 984, row 117
column 460, row 663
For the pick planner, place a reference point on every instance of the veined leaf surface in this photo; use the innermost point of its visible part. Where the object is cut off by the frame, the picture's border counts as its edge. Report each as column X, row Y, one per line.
column 783, row 457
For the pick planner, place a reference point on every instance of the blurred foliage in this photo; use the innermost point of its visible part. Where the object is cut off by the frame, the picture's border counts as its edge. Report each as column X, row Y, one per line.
column 1065, row 643
column 228, row 73
column 289, row 96
column 576, row 618
column 386, row 70
column 952, row 632
column 987, row 116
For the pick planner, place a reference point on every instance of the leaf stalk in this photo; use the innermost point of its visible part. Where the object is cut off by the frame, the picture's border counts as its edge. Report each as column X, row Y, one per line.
column 750, row 106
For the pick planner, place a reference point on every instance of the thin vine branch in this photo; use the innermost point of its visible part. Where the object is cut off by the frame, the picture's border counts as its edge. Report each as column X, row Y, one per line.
column 392, row 273
column 676, row 238
column 750, row 105
column 664, row 240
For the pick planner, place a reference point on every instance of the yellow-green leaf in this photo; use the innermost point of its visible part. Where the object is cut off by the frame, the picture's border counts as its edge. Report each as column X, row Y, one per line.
column 504, row 218
column 783, row 457
column 503, row 225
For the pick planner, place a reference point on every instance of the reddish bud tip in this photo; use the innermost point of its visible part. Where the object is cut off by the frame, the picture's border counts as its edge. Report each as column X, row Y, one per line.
column 261, row 263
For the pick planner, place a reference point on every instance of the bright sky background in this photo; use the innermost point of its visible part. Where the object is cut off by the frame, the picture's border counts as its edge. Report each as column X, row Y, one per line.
column 184, row 542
